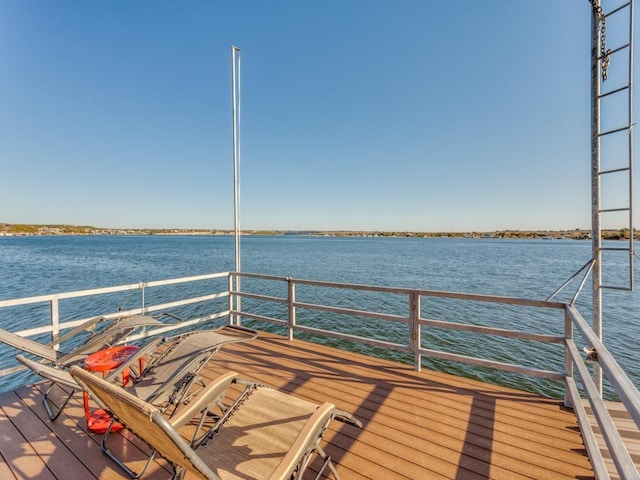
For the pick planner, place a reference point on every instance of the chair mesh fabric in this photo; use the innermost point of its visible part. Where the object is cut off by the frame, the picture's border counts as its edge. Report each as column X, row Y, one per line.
column 60, row 377
column 256, row 438
column 142, row 419
column 29, row 346
column 268, row 435
column 183, row 358
column 114, row 333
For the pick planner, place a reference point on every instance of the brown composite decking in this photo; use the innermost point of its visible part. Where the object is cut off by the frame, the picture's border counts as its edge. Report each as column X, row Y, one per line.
column 628, row 430
column 424, row 425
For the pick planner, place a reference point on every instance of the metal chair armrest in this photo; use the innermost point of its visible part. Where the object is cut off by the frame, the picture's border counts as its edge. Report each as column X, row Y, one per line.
column 205, row 398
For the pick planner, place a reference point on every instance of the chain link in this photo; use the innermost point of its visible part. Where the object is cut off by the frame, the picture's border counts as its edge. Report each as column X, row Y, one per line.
column 604, row 52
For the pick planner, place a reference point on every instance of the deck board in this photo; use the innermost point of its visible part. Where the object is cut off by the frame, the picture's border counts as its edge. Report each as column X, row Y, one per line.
column 417, row 425
column 627, row 428
column 22, row 452
column 71, row 428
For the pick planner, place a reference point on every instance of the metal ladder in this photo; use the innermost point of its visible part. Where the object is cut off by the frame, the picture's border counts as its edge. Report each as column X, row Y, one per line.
column 613, row 141
column 612, row 136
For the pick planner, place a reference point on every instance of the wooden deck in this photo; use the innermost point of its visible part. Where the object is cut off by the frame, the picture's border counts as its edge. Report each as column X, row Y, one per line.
column 416, row 425
column 627, row 429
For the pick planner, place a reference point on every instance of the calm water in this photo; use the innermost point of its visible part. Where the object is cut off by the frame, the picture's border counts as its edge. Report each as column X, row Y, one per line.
column 521, row 268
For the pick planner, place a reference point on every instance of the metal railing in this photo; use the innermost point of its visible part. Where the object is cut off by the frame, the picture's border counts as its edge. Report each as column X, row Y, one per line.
column 624, row 389
column 146, row 307
column 412, row 317
column 344, row 312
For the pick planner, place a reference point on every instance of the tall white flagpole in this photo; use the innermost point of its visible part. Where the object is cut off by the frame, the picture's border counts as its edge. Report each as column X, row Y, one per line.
column 235, row 87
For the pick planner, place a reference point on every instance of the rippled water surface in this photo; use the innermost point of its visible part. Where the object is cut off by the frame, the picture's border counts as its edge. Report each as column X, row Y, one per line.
column 521, row 268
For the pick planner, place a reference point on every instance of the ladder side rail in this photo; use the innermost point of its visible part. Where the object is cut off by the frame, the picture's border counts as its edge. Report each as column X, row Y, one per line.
column 630, row 146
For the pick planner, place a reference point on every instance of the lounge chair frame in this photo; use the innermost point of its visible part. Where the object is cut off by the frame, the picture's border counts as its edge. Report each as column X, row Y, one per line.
column 167, row 380
column 99, row 338
column 200, row 456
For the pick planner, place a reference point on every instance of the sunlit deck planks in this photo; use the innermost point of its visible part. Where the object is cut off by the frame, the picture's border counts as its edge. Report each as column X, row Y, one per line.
column 416, row 425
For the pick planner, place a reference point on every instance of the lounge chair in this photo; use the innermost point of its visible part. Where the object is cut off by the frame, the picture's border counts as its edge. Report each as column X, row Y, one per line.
column 172, row 364
column 265, row 434
column 170, row 376
column 101, row 333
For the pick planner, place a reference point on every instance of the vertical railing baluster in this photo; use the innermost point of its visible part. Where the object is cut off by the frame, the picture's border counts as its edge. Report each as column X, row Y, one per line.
column 291, row 307
column 55, row 320
column 231, row 298
column 143, row 288
column 568, row 364
column 414, row 329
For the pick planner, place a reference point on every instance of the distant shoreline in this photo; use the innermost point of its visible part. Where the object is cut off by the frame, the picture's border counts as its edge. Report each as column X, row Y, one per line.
column 7, row 229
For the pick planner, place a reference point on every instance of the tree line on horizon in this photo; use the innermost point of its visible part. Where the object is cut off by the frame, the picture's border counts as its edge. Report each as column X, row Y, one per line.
column 56, row 229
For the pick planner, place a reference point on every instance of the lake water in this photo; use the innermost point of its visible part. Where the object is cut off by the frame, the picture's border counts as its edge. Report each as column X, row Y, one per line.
column 520, row 268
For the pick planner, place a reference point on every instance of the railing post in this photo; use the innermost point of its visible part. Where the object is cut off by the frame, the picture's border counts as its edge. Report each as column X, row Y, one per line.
column 291, row 306
column 230, row 298
column 143, row 287
column 415, row 339
column 234, row 299
column 568, row 364
column 55, row 320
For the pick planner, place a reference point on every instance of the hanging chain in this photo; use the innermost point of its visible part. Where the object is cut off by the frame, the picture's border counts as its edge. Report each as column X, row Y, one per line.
column 604, row 53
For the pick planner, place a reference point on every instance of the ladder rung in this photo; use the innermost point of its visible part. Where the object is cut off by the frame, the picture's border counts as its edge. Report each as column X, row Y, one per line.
column 621, row 47
column 616, row 10
column 609, row 210
column 614, row 170
column 615, row 249
column 615, row 50
column 621, row 129
column 617, row 90
column 611, row 287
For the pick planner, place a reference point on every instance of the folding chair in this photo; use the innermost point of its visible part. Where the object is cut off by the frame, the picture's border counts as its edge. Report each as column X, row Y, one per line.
column 102, row 333
column 265, row 434
column 172, row 365
column 170, row 377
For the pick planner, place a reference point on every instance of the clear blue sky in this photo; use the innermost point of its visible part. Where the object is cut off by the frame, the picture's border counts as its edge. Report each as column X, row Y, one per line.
column 407, row 115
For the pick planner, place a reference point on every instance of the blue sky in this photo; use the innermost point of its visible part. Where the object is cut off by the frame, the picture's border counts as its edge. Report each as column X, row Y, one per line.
column 406, row 115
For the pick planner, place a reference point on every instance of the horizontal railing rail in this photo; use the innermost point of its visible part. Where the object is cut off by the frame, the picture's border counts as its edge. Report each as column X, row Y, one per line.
column 56, row 325
column 412, row 319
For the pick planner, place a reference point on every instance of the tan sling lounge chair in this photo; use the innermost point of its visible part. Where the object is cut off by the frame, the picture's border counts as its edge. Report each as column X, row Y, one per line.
column 171, row 372
column 265, row 434
column 100, row 333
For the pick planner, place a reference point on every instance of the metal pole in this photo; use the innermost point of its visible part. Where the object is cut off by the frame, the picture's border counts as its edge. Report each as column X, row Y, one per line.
column 568, row 363
column 630, row 146
column 235, row 88
column 596, row 242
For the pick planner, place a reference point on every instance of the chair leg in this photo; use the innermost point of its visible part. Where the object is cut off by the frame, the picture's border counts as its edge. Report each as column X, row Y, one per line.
column 326, row 463
column 47, row 405
column 121, row 464
column 178, row 473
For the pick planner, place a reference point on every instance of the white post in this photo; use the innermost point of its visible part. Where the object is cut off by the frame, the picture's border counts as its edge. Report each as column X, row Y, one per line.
column 235, row 88
column 55, row 320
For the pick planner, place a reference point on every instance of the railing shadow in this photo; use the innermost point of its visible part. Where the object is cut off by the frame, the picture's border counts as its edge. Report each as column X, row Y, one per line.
column 376, row 392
